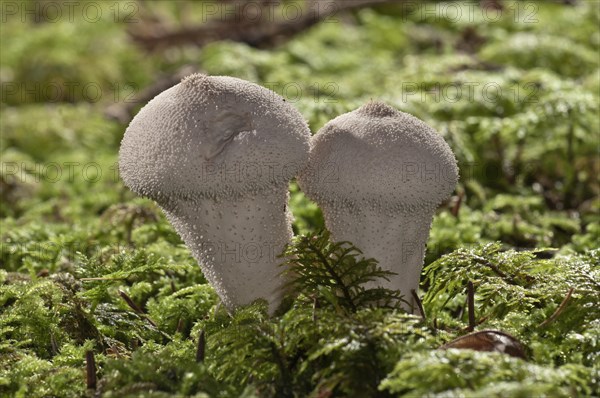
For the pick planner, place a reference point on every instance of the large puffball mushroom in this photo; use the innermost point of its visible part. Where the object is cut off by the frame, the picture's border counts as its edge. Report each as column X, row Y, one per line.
column 217, row 153
column 378, row 175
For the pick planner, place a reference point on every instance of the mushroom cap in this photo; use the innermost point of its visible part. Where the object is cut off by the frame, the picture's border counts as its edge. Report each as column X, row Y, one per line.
column 379, row 157
column 213, row 137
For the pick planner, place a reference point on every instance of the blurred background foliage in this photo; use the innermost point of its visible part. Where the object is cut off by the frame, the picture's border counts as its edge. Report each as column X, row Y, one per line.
column 513, row 87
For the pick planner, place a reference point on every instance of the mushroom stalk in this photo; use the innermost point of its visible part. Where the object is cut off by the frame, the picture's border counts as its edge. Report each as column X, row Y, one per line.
column 391, row 173
column 240, row 260
column 394, row 240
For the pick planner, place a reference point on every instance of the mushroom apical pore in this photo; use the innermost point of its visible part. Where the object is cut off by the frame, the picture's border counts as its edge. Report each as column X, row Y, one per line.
column 217, row 153
column 378, row 175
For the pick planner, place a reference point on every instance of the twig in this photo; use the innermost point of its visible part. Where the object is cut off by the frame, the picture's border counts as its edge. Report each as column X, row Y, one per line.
column 471, row 305
column 90, row 366
column 571, row 173
column 456, row 208
column 151, row 322
column 499, row 146
column 114, row 350
column 201, row 349
column 419, row 303
column 135, row 307
column 516, row 169
column 559, row 310
column 130, row 302
column 252, row 31
column 54, row 345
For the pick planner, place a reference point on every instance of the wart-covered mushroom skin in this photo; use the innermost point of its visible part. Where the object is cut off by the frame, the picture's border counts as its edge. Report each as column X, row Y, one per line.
column 217, row 153
column 378, row 175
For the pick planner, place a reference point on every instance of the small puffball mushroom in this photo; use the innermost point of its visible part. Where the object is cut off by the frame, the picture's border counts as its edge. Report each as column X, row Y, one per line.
column 217, row 154
column 378, row 175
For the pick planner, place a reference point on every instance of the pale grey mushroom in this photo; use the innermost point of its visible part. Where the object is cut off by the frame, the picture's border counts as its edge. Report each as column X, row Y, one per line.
column 217, row 153
column 378, row 175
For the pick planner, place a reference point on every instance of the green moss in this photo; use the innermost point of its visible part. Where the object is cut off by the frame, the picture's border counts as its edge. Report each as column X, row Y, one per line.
column 461, row 373
column 85, row 265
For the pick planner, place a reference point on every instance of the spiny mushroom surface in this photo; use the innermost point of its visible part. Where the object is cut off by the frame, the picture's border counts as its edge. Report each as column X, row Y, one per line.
column 217, row 153
column 387, row 172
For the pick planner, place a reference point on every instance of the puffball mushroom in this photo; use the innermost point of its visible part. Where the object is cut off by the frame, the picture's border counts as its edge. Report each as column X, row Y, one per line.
column 217, row 154
column 378, row 175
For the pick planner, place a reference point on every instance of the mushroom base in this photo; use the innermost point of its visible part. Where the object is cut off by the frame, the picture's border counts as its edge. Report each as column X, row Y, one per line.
column 237, row 244
column 396, row 240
